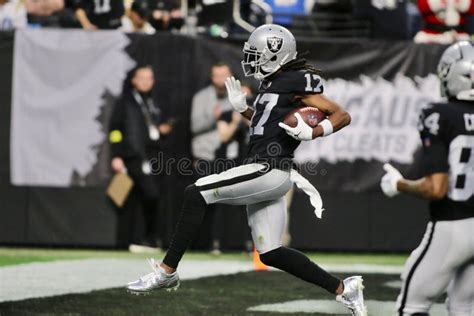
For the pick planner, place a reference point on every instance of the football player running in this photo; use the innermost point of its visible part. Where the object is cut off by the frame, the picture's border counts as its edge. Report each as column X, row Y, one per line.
column 444, row 261
column 286, row 82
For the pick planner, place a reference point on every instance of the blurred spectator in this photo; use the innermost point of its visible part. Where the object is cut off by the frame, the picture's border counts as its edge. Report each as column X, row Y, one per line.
column 44, row 7
column 166, row 14
column 233, row 132
column 67, row 17
column 44, row 13
column 284, row 9
column 206, row 109
column 136, row 127
column 12, row 14
column 207, row 106
column 444, row 21
column 334, row 6
column 136, row 19
column 252, row 13
column 100, row 14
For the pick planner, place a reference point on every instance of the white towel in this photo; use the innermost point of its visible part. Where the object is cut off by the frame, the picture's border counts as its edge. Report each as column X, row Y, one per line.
column 314, row 196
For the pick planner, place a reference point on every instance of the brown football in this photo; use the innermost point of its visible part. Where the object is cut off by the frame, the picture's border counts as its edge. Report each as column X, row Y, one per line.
column 312, row 116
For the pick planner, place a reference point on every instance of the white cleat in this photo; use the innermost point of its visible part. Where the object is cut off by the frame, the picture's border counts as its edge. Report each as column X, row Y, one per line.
column 158, row 279
column 353, row 296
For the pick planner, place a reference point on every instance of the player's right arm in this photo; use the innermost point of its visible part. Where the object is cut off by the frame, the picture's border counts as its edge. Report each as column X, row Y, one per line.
column 337, row 116
column 434, row 185
column 308, row 89
column 431, row 187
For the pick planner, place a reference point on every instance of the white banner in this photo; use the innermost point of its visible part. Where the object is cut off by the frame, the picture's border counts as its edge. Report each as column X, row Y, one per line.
column 384, row 120
column 59, row 81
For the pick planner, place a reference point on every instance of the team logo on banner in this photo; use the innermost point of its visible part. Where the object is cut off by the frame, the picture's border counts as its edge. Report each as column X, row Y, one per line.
column 274, row 43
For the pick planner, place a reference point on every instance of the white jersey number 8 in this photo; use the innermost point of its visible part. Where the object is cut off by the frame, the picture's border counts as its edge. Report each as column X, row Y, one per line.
column 461, row 164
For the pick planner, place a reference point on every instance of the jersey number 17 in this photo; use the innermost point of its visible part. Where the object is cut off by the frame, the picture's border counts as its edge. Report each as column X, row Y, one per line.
column 268, row 100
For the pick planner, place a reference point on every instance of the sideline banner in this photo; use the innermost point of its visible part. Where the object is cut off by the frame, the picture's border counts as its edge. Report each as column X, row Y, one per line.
column 65, row 83
column 383, row 85
column 61, row 84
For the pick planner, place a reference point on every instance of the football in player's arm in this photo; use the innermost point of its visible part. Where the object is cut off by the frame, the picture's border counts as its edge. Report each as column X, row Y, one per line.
column 287, row 83
column 337, row 119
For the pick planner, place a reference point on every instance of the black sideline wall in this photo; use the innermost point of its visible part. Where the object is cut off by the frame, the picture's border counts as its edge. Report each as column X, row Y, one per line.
column 358, row 217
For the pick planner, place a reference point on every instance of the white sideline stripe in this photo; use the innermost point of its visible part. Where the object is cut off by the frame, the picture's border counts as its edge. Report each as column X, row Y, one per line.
column 397, row 284
column 363, row 268
column 61, row 277
column 35, row 280
column 385, row 308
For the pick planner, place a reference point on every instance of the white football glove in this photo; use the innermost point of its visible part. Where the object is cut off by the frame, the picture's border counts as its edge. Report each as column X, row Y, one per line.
column 389, row 180
column 301, row 131
column 236, row 97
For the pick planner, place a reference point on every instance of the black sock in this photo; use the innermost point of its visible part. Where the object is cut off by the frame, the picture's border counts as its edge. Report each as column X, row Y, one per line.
column 192, row 214
column 297, row 264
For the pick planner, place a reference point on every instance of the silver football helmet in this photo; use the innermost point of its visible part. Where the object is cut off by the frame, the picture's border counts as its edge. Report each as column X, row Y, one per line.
column 456, row 71
column 269, row 47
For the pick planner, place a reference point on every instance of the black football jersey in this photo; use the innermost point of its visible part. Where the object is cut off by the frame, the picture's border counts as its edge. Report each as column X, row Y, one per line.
column 447, row 135
column 105, row 14
column 269, row 142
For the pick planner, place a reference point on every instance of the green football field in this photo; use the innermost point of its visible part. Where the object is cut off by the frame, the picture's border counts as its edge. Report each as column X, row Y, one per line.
column 222, row 295
column 244, row 293
column 12, row 256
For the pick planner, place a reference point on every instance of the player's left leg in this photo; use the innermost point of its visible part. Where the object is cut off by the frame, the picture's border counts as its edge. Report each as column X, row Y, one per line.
column 461, row 292
column 241, row 185
column 431, row 267
column 267, row 221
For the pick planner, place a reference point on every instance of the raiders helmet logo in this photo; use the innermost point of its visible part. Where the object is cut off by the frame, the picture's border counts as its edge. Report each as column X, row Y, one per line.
column 274, row 43
column 313, row 120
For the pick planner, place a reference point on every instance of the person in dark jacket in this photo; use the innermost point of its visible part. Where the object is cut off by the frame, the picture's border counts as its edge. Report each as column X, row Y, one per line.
column 103, row 15
column 136, row 127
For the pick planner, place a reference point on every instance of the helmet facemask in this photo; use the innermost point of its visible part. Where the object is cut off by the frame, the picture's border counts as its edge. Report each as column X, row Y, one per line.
column 260, row 64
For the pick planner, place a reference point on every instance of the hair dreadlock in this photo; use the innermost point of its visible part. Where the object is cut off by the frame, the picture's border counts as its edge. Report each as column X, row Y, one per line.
column 300, row 64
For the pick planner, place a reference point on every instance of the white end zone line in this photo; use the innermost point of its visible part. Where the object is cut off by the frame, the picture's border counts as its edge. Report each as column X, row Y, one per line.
column 376, row 308
column 45, row 279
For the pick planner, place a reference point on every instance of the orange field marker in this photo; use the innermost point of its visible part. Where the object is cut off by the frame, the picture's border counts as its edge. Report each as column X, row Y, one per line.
column 258, row 265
